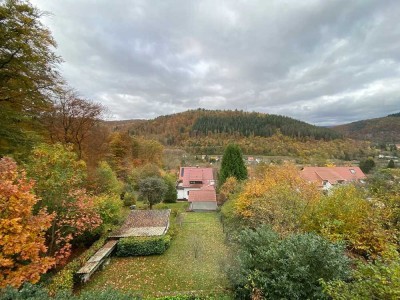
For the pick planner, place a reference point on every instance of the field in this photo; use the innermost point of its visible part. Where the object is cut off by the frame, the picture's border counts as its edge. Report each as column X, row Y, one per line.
column 193, row 264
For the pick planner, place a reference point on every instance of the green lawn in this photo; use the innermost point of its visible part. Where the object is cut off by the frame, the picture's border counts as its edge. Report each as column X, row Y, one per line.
column 193, row 263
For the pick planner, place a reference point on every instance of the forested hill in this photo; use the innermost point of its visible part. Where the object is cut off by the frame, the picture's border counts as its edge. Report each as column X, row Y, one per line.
column 379, row 130
column 200, row 122
column 257, row 124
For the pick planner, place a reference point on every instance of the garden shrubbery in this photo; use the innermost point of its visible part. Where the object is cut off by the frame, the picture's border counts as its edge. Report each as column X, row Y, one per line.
column 140, row 246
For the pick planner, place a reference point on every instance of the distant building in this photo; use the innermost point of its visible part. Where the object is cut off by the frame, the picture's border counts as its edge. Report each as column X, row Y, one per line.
column 327, row 177
column 193, row 179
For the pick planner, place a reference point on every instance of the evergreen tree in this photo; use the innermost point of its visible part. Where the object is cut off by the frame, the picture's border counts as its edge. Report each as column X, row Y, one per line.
column 391, row 164
column 367, row 165
column 232, row 164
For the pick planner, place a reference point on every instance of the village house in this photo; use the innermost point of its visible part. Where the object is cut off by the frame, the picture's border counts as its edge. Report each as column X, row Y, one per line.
column 193, row 179
column 327, row 177
column 197, row 186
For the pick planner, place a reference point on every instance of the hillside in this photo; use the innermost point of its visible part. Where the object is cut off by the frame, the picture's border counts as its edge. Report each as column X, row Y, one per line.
column 172, row 129
column 209, row 131
column 378, row 130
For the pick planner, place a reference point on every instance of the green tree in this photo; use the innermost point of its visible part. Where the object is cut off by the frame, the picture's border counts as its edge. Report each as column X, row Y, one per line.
column 269, row 267
column 391, row 164
column 370, row 280
column 152, row 189
column 59, row 177
column 367, row 165
column 106, row 181
column 28, row 76
column 171, row 194
column 232, row 164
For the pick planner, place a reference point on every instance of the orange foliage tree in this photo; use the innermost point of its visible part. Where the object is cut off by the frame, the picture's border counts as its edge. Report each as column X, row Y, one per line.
column 280, row 197
column 22, row 241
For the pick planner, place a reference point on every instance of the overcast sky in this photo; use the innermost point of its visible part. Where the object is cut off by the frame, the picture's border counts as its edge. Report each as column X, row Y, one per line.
column 324, row 62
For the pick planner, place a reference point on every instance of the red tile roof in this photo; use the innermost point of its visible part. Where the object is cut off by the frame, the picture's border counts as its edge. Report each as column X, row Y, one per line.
column 205, row 195
column 188, row 174
column 332, row 174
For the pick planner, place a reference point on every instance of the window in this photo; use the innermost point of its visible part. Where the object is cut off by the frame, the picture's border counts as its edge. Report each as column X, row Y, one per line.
column 195, row 182
column 352, row 171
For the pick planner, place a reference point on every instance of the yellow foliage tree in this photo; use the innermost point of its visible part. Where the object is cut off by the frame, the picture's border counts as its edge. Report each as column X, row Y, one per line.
column 280, row 197
column 345, row 214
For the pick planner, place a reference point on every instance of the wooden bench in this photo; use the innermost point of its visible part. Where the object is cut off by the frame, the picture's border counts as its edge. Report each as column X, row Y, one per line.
column 97, row 260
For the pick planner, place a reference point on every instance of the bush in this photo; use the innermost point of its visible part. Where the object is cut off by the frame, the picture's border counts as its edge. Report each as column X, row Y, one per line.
column 37, row 292
column 109, row 208
column 374, row 280
column 138, row 246
column 65, row 279
column 269, row 267
column 129, row 199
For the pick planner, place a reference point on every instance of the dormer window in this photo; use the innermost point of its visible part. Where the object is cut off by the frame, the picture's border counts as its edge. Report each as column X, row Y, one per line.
column 352, row 171
column 195, row 182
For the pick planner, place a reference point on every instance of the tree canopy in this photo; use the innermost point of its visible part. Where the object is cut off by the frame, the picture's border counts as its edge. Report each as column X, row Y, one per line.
column 28, row 72
column 152, row 189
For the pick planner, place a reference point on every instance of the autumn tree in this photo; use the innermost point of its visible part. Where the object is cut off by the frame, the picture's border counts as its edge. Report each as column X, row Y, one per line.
column 280, row 198
column 28, row 75
column 22, row 241
column 72, row 119
column 232, row 164
column 346, row 215
column 152, row 189
column 105, row 180
column 120, row 157
column 59, row 176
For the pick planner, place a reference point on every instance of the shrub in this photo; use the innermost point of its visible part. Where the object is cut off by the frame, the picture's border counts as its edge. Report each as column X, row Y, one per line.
column 273, row 268
column 377, row 280
column 109, row 208
column 171, row 194
column 37, row 292
column 129, row 199
column 138, row 246
column 65, row 279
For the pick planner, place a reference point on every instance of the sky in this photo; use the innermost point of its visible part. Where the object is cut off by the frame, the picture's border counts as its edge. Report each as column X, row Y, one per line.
column 323, row 62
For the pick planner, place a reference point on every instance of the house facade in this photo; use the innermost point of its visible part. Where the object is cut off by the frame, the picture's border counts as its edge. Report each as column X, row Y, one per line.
column 327, row 177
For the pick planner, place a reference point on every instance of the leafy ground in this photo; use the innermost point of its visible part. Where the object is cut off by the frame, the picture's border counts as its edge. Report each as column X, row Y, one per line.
column 193, row 263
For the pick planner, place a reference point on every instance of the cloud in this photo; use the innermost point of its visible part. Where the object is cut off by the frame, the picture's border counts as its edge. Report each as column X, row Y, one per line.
column 324, row 62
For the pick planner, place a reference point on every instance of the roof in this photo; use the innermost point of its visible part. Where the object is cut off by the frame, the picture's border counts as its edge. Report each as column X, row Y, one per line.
column 332, row 174
column 204, row 195
column 188, row 174
column 144, row 223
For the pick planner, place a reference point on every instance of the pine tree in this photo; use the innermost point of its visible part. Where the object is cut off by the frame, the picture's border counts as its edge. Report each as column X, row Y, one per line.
column 391, row 164
column 232, row 164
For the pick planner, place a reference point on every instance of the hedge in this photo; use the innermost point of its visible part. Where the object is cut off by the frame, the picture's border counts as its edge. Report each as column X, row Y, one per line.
column 66, row 278
column 140, row 246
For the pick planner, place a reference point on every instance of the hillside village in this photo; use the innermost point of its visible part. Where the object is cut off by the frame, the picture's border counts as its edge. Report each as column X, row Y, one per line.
column 230, row 201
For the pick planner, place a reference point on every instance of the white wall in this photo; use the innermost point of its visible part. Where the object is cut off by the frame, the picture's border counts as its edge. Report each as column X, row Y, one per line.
column 200, row 205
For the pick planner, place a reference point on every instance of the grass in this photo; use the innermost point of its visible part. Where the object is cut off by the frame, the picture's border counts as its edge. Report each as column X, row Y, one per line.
column 193, row 263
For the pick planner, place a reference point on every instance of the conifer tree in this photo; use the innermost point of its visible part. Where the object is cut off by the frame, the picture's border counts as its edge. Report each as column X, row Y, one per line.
column 391, row 164
column 232, row 164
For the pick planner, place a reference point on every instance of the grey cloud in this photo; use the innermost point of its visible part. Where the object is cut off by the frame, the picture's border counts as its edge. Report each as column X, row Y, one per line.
column 324, row 62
